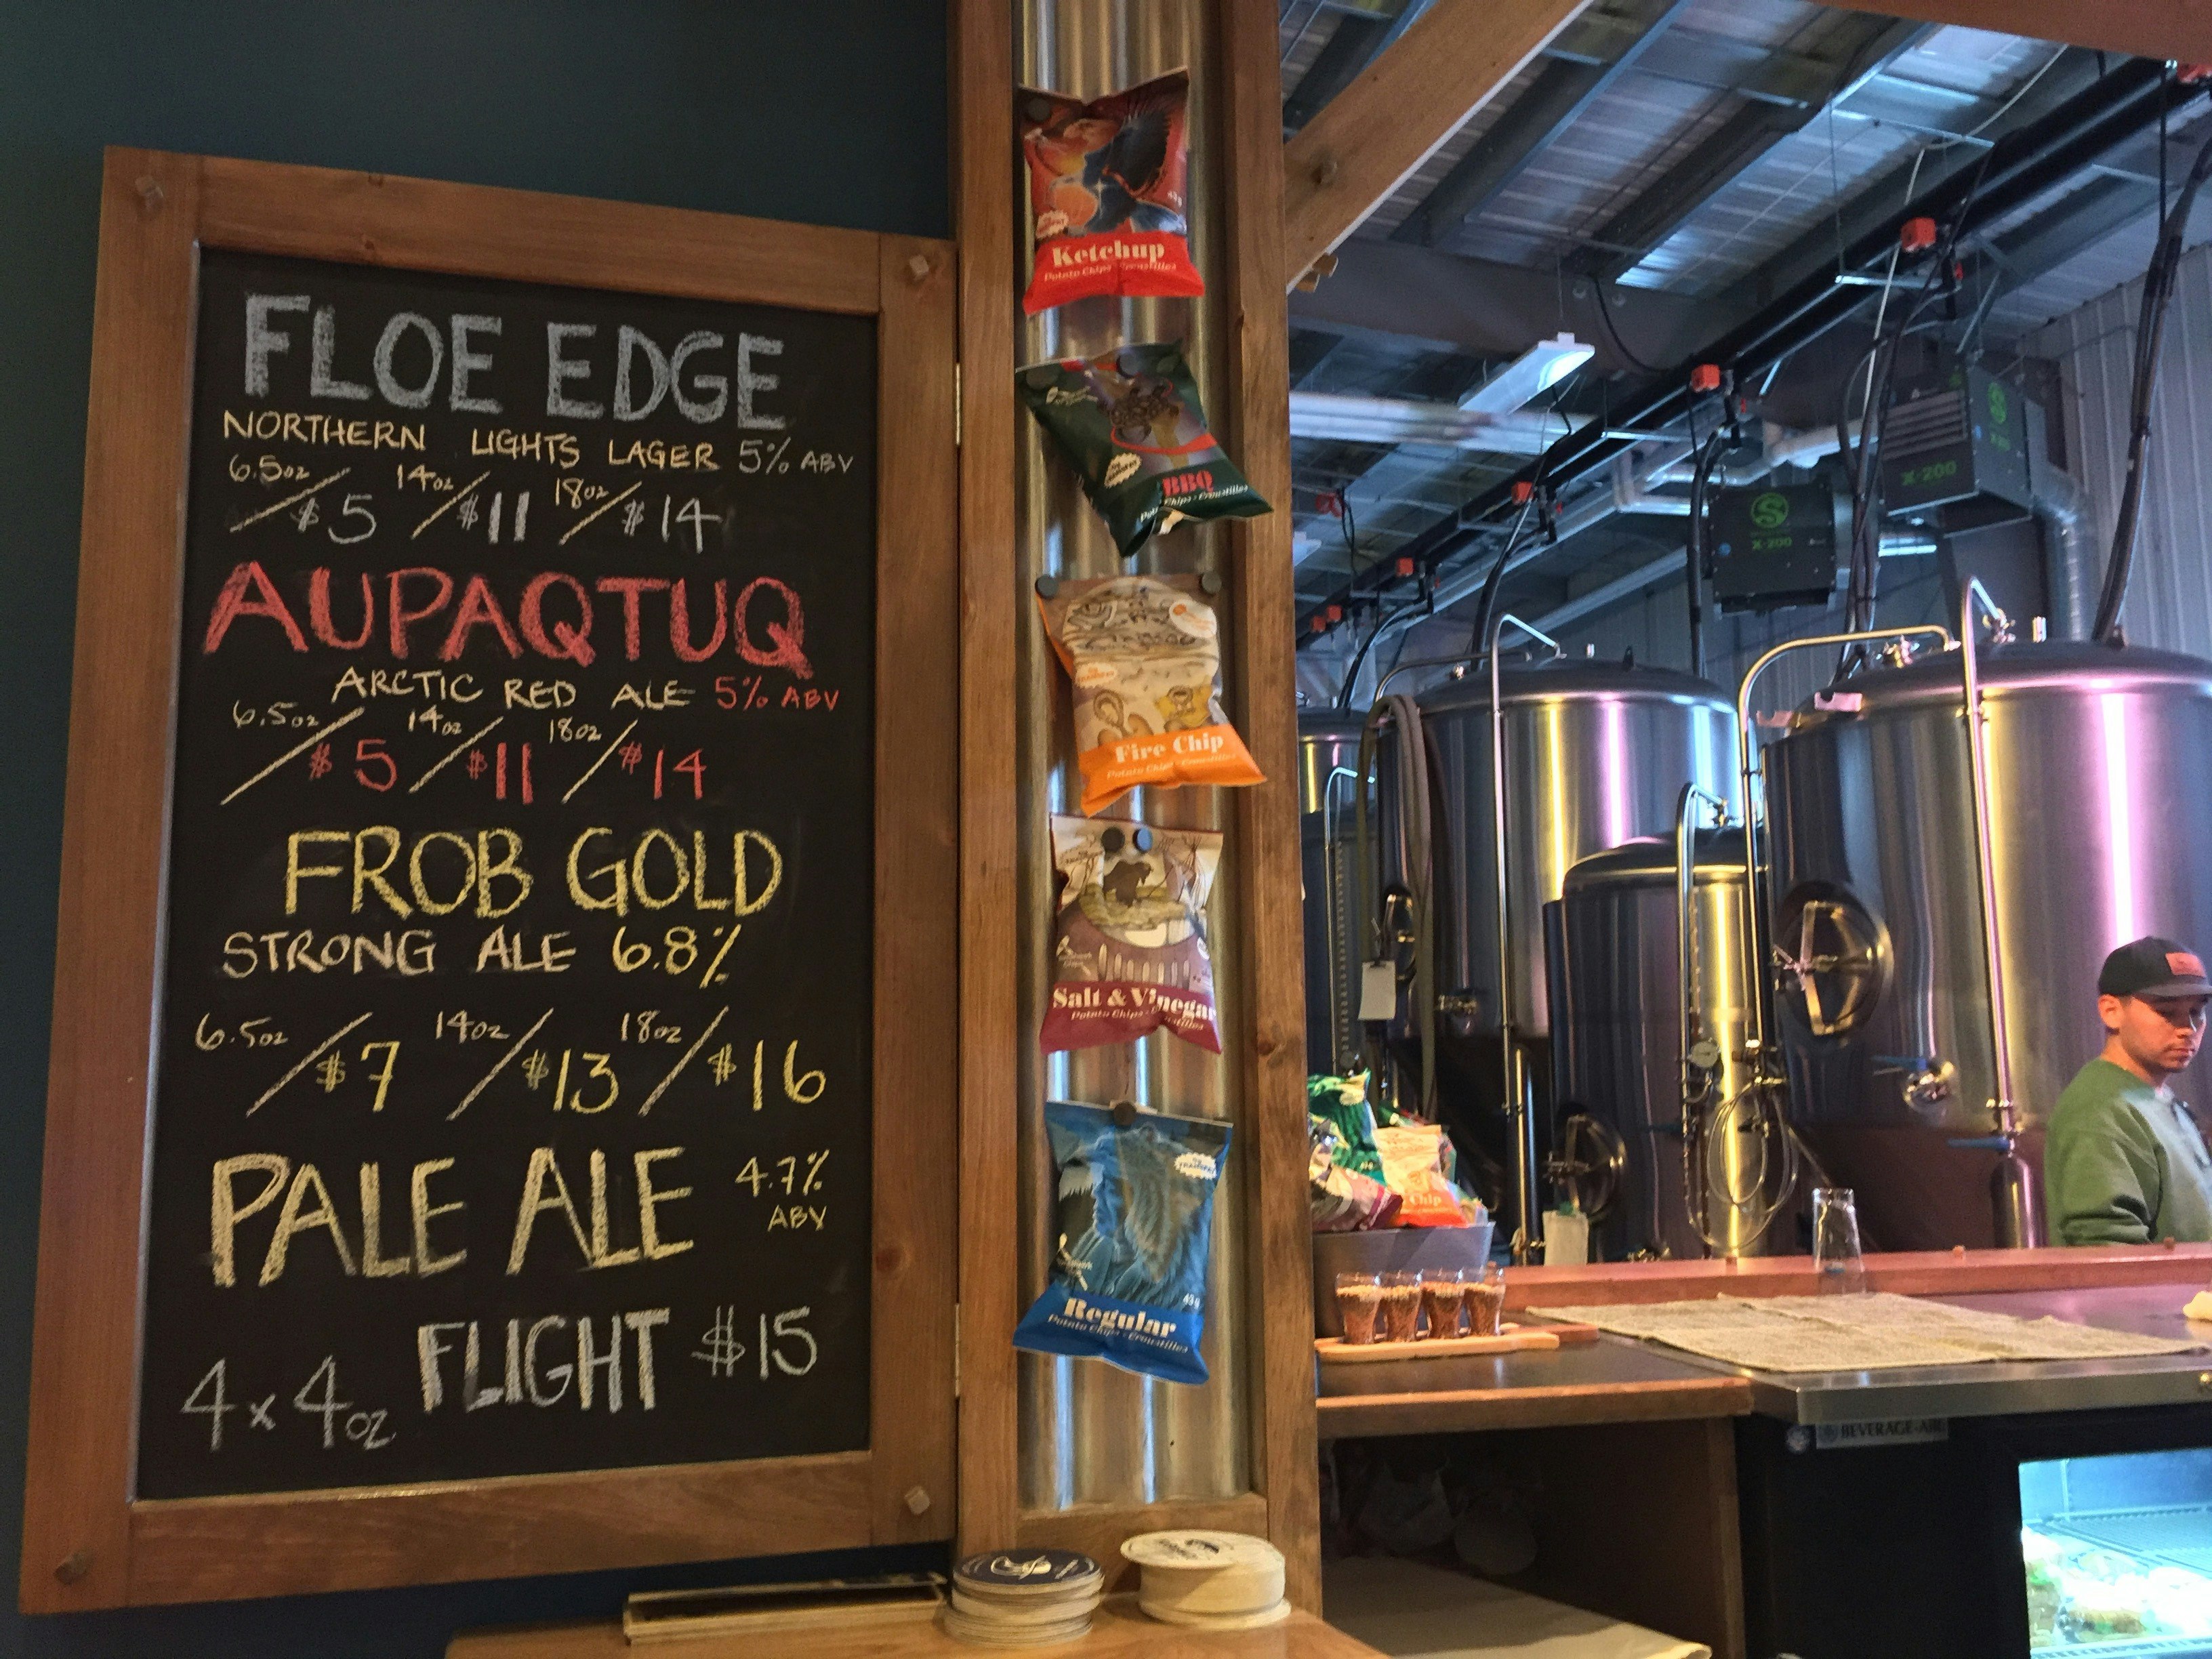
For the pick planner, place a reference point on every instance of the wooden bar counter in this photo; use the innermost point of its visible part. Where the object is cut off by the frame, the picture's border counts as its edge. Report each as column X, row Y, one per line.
column 1119, row 1632
column 1635, row 1441
column 1615, row 1380
column 1913, row 1272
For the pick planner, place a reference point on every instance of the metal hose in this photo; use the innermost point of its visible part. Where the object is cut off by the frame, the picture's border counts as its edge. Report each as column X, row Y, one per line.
column 2151, row 331
column 1414, row 817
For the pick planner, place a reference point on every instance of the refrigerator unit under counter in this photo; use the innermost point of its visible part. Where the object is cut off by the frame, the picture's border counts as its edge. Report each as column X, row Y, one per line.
column 2116, row 1553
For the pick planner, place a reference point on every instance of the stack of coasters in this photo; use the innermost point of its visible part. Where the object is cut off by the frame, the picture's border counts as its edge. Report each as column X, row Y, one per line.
column 1023, row 1598
column 1210, row 1580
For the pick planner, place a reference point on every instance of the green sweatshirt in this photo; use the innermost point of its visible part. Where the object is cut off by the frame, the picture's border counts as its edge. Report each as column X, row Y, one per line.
column 2125, row 1163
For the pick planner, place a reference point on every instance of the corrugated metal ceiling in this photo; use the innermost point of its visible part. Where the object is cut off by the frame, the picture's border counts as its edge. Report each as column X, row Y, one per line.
column 1956, row 80
column 1716, row 71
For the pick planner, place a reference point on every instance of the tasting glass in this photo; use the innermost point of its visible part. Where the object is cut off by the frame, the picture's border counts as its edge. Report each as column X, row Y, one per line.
column 1402, row 1306
column 1442, row 1294
column 1837, row 1261
column 1485, row 1301
column 1359, row 1305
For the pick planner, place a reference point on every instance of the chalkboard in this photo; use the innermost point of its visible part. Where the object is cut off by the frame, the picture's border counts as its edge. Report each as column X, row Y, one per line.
column 503, row 1108
column 512, row 1079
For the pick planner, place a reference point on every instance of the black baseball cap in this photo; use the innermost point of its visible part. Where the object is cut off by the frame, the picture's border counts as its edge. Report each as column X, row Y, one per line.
column 2154, row 967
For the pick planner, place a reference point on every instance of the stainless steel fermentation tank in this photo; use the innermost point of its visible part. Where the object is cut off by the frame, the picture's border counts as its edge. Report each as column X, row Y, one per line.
column 1328, row 766
column 2100, row 787
column 1618, row 1043
column 1595, row 754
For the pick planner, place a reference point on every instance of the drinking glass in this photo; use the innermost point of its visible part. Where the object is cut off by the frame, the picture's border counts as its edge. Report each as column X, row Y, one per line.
column 1402, row 1306
column 1485, row 1301
column 1837, row 1261
column 1441, row 1300
column 1359, row 1304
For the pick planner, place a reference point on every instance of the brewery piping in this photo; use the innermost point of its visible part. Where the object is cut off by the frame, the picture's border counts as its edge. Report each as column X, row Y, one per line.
column 1527, row 1173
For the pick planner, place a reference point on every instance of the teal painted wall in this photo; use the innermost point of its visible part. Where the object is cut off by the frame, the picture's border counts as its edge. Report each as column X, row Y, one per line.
column 826, row 111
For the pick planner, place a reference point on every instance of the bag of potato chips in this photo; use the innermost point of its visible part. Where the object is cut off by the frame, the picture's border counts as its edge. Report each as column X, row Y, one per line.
column 1340, row 1198
column 1133, row 1215
column 1145, row 654
column 1130, row 423
column 1106, row 193
column 1129, row 952
column 1416, row 1165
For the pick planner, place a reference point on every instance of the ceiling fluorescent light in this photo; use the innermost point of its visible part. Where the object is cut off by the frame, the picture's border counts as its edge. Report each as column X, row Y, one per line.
column 1529, row 376
column 1352, row 419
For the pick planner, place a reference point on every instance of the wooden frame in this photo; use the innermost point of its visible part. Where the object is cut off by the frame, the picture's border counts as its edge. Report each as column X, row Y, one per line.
column 1370, row 138
column 1268, row 1046
column 86, row 1542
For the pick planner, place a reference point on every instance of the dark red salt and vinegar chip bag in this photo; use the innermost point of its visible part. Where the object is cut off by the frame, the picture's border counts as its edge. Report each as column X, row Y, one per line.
column 1129, row 953
column 1107, row 182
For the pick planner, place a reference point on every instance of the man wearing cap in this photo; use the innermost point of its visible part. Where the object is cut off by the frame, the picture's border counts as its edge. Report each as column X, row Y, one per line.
column 2124, row 1162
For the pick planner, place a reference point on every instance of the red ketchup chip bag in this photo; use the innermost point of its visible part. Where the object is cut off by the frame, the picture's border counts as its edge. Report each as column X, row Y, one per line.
column 1129, row 950
column 1107, row 182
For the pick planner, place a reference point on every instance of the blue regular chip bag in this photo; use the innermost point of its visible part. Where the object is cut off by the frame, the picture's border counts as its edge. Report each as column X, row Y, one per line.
column 1135, row 1212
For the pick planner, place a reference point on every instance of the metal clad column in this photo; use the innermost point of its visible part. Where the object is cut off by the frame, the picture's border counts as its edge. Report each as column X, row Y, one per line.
column 1091, row 1434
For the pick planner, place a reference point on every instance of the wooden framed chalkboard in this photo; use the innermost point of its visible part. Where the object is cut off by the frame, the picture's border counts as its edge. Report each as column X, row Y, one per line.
column 503, row 1113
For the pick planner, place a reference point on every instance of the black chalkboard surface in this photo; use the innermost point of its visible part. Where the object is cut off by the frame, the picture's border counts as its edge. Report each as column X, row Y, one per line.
column 512, row 1084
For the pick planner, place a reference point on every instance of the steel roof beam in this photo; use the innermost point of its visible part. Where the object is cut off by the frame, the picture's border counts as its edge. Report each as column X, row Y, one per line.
column 1484, row 309
column 1351, row 46
column 1740, row 143
column 2156, row 29
column 1872, row 214
column 1563, row 88
column 1695, row 57
column 1765, row 74
column 2072, row 225
column 1310, row 348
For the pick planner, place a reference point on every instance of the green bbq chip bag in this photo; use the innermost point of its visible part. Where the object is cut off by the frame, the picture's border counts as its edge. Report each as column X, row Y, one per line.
column 1130, row 423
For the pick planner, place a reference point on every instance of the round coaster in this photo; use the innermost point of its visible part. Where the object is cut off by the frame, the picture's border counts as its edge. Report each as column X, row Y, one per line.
column 1197, row 1548
column 1274, row 1615
column 1011, row 1614
column 1206, row 1574
column 1027, row 1572
column 991, row 1633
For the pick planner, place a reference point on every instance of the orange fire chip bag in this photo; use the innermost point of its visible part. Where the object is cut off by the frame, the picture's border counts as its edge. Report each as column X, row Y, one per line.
column 1145, row 653
column 1107, row 182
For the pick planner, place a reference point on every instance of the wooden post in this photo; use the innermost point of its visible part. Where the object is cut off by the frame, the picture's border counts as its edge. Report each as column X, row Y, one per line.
column 982, row 35
column 1252, row 409
column 1256, row 412
column 1345, row 163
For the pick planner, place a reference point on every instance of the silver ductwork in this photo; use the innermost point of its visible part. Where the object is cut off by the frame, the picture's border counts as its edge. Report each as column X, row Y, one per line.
column 1633, row 483
column 1364, row 420
column 2069, row 553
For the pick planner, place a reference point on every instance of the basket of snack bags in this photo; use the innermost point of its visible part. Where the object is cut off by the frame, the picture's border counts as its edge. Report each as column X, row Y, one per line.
column 1385, row 1194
